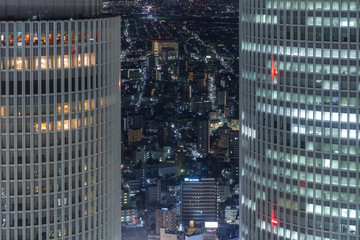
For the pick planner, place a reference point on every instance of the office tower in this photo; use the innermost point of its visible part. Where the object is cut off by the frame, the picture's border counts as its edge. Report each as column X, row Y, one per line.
column 166, row 218
column 60, row 141
column 199, row 200
column 300, row 119
column 203, row 135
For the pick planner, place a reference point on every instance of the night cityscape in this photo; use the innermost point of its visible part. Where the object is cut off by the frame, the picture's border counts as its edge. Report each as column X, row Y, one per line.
column 179, row 120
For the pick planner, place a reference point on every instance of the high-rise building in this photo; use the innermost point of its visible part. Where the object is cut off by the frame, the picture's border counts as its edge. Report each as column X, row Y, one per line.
column 166, row 218
column 60, row 104
column 299, row 156
column 199, row 200
column 203, row 135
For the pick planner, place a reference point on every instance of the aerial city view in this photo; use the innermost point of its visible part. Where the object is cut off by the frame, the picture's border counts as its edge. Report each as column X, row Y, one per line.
column 179, row 120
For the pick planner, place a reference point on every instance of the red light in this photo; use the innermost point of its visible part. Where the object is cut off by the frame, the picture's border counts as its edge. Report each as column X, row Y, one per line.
column 274, row 71
column 135, row 220
column 274, row 221
column 119, row 82
column 302, row 184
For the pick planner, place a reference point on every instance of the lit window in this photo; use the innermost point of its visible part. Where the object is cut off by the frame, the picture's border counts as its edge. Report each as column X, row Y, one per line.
column 36, row 127
column 43, row 127
column 344, row 133
column 352, row 133
column 79, row 59
column 19, row 63
column 92, row 104
column 59, row 125
column 335, row 116
column 73, row 123
column 59, row 109
column 310, row 208
column 352, row 213
column 326, row 116
column 66, row 108
column 66, row 61
column 86, row 105
column 43, row 62
column 66, row 124
column 344, row 212
column 3, row 111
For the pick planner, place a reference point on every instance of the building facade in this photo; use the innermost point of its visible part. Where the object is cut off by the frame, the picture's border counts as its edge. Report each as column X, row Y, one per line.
column 166, row 218
column 199, row 200
column 299, row 94
column 60, row 103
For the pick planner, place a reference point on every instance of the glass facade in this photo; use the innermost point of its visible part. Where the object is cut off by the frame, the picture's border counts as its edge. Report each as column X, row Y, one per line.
column 300, row 119
column 59, row 149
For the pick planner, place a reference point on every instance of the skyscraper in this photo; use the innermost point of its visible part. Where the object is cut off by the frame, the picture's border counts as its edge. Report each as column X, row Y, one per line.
column 60, row 109
column 299, row 95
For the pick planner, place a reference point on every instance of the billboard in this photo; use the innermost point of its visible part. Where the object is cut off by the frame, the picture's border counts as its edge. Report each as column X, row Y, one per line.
column 211, row 224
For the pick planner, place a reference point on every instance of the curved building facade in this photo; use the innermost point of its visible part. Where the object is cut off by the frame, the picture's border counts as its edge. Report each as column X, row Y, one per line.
column 299, row 98
column 60, row 137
